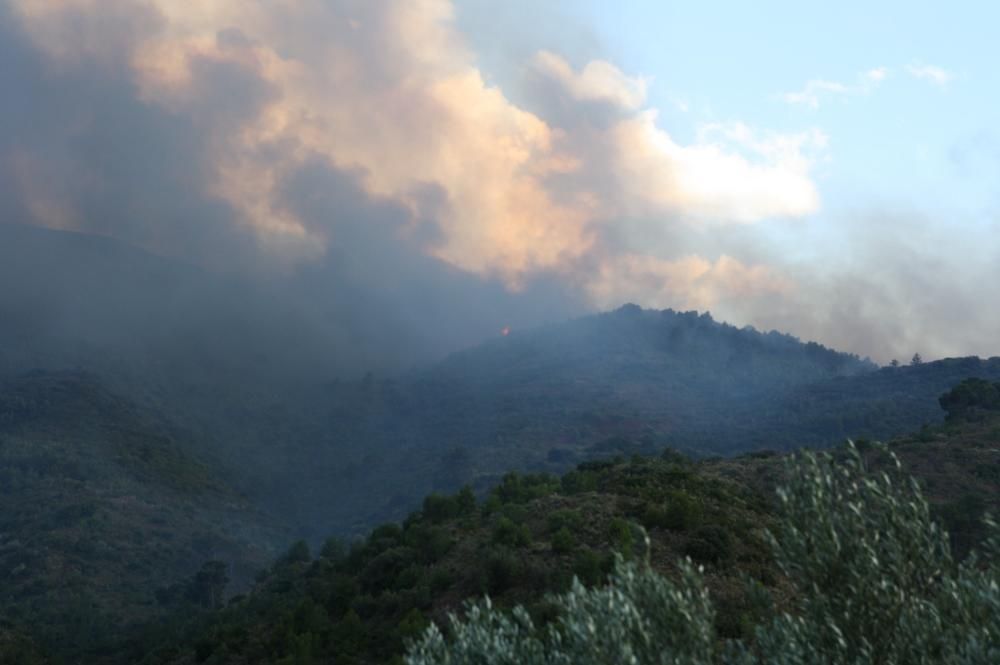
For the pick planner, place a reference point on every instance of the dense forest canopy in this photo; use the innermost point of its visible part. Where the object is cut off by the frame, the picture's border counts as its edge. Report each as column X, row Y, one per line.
column 363, row 601
column 872, row 577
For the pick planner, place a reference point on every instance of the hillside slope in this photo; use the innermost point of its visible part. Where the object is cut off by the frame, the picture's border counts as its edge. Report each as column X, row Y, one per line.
column 254, row 373
column 101, row 510
column 533, row 533
column 623, row 382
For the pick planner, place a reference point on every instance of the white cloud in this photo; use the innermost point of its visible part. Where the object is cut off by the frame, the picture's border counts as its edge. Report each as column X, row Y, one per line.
column 877, row 74
column 739, row 177
column 810, row 94
column 597, row 81
column 936, row 75
column 816, row 90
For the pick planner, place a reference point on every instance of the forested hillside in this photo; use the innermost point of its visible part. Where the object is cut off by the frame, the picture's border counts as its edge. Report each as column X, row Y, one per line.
column 105, row 517
column 117, row 538
column 623, row 382
column 254, row 385
column 161, row 437
column 532, row 534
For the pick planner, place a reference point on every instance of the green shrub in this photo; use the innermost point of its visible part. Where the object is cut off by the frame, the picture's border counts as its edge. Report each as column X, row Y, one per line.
column 971, row 400
column 492, row 505
column 389, row 532
column 577, row 482
column 628, row 630
column 565, row 518
column 588, row 567
column 517, row 512
column 412, row 625
column 563, row 541
column 466, row 500
column 621, row 537
column 517, row 488
column 710, row 544
column 873, row 578
column 383, row 569
column 430, row 542
column 438, row 508
column 441, row 579
column 502, row 571
column 683, row 511
column 655, row 516
column 508, row 533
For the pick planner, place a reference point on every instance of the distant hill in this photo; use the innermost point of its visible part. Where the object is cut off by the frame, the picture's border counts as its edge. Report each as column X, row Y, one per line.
column 252, row 374
column 628, row 381
column 235, row 362
column 103, row 511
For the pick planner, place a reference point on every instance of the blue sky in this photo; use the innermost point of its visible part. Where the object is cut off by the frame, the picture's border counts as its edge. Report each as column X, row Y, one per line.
column 905, row 93
column 895, row 144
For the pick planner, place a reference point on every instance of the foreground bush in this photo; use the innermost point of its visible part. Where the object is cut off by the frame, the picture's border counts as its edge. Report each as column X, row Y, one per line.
column 874, row 576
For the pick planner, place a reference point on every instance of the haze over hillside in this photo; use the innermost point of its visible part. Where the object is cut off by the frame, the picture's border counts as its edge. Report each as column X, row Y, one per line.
column 283, row 397
column 103, row 510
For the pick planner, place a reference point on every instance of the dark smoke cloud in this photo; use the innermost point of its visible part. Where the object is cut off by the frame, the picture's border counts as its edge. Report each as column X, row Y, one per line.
column 81, row 150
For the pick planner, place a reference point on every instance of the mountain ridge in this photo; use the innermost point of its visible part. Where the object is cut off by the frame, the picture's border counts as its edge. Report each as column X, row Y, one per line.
column 333, row 453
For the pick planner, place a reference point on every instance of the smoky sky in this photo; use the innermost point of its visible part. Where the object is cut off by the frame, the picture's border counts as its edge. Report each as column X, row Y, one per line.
column 349, row 182
column 132, row 172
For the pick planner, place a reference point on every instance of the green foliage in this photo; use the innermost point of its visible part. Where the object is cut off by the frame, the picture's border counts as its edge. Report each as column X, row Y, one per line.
column 502, row 571
column 106, row 523
column 563, row 541
column 438, row 507
column 621, row 536
column 466, row 500
column 655, row 515
column 683, row 511
column 518, row 488
column 874, row 577
column 431, row 542
column 412, row 625
column 963, row 518
column 879, row 581
column 576, row 482
column 640, row 617
column 427, row 567
column 710, row 544
column 971, row 400
column 509, row 533
column 565, row 519
column 588, row 566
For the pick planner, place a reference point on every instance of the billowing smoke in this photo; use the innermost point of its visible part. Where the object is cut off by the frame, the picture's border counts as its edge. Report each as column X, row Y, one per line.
column 354, row 154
